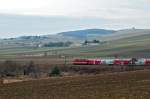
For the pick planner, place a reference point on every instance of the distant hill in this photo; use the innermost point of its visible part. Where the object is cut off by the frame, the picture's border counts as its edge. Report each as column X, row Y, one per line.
column 125, row 33
column 69, row 35
column 83, row 34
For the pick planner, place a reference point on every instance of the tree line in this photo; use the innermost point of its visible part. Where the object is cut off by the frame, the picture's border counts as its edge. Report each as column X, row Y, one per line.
column 10, row 68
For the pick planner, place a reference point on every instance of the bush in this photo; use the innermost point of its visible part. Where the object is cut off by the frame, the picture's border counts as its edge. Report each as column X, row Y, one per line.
column 55, row 72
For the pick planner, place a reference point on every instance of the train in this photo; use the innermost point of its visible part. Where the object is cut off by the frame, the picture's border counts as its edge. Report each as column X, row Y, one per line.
column 115, row 61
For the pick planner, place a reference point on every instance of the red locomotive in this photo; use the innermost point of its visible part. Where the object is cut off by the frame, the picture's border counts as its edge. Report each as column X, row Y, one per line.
column 80, row 62
column 86, row 62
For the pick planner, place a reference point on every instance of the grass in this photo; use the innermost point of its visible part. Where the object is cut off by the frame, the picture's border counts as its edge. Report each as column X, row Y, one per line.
column 127, row 85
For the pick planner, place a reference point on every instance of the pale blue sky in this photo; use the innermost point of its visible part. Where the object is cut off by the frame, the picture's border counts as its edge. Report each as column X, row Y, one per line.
column 38, row 17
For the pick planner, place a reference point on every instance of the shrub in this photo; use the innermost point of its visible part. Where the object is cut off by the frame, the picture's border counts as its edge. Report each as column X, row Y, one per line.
column 55, row 72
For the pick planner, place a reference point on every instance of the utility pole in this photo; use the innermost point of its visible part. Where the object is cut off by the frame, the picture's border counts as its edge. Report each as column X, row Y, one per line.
column 65, row 59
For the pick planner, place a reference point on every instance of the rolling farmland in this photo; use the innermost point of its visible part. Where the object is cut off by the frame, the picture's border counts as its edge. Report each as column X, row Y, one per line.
column 134, row 46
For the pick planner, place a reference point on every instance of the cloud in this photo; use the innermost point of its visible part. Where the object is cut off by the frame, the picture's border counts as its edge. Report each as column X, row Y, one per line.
column 110, row 9
column 63, row 15
column 97, row 8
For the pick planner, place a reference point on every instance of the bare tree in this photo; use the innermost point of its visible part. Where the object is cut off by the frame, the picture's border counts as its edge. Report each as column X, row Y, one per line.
column 32, row 70
column 11, row 68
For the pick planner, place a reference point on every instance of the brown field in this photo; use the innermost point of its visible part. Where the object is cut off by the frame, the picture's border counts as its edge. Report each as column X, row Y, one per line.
column 126, row 85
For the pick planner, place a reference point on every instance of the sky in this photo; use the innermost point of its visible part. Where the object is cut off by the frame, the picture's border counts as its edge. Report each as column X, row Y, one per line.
column 41, row 17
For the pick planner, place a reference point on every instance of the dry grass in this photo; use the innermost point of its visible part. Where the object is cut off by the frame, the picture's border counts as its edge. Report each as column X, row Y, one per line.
column 127, row 85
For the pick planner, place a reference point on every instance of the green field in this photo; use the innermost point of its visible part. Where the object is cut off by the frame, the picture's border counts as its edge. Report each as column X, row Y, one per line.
column 124, row 47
